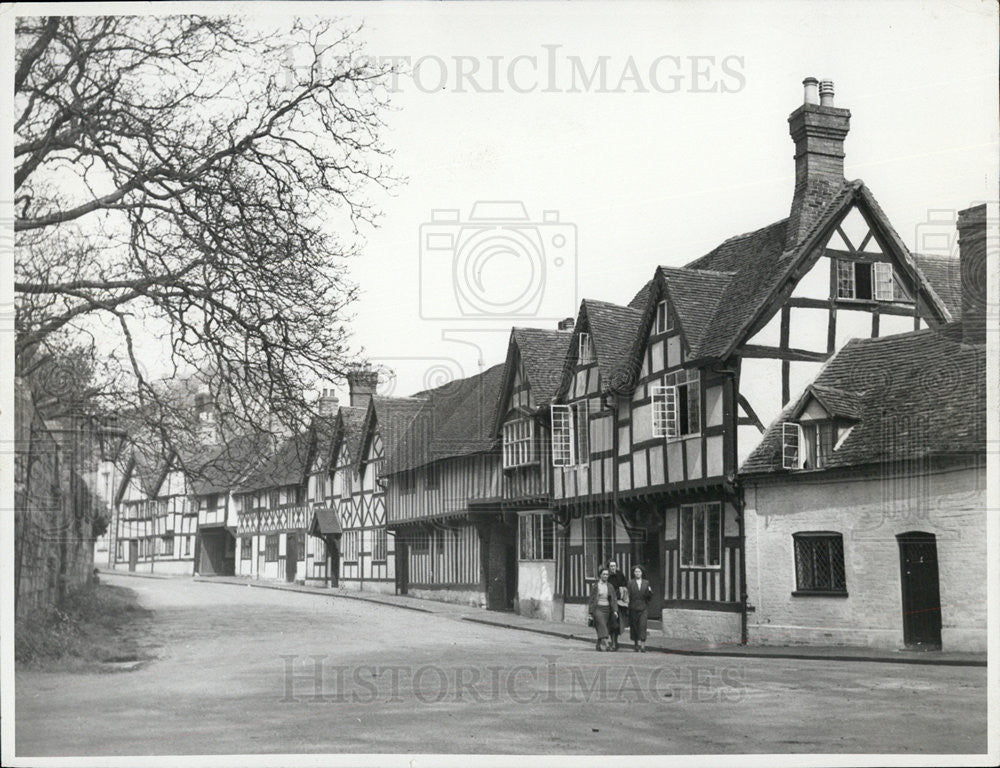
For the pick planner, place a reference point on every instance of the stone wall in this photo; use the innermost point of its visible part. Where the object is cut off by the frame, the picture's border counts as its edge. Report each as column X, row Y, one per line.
column 53, row 512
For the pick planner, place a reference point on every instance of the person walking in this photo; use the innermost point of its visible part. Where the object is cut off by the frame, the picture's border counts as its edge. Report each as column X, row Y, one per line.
column 603, row 605
column 619, row 581
column 640, row 592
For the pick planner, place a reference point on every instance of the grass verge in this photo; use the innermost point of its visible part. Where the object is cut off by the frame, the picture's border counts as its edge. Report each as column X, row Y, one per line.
column 95, row 628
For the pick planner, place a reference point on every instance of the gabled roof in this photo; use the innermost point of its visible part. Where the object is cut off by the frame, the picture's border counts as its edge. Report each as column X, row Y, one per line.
column 750, row 270
column 346, row 432
column 542, row 353
column 457, row 419
column 837, row 402
column 913, row 394
column 392, row 417
column 613, row 332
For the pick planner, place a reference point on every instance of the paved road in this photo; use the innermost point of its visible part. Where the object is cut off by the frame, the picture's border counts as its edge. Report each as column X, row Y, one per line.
column 243, row 670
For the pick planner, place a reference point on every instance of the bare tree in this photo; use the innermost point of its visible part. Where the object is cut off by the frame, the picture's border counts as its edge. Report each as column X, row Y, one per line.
column 187, row 192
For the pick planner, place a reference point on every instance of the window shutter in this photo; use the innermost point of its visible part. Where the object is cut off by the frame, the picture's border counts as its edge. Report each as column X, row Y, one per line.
column 562, row 435
column 884, row 282
column 790, row 445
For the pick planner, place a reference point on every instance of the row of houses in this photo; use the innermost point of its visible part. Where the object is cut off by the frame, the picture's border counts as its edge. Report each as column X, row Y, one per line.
column 787, row 433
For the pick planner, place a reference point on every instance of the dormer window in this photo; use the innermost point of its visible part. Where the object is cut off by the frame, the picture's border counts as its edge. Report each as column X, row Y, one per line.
column 676, row 404
column 810, row 444
column 585, row 353
column 664, row 319
column 866, row 281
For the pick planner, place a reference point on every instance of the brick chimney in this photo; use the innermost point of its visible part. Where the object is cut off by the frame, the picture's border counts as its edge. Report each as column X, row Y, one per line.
column 972, row 246
column 566, row 324
column 818, row 129
column 327, row 404
column 362, row 382
column 208, row 427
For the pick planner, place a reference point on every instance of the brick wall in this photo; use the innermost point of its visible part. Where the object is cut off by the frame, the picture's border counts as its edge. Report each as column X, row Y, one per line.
column 53, row 512
column 948, row 500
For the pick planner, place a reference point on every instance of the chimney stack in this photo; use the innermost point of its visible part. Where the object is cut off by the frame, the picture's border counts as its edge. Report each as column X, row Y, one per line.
column 208, row 428
column 567, row 324
column 972, row 246
column 818, row 130
column 362, row 382
column 327, row 404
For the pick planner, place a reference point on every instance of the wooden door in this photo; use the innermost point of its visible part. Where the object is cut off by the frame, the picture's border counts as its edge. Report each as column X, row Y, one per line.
column 652, row 563
column 402, row 566
column 133, row 554
column 291, row 556
column 920, row 590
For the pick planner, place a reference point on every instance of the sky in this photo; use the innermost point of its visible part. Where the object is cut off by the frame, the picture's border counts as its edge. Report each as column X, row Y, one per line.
column 622, row 136
column 685, row 145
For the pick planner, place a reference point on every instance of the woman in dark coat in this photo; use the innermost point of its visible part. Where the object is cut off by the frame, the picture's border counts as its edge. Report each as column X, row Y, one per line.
column 603, row 605
column 640, row 592
column 619, row 581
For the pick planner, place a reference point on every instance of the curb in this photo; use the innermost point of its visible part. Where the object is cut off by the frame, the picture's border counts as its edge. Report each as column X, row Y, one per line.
column 752, row 654
column 134, row 575
column 305, row 591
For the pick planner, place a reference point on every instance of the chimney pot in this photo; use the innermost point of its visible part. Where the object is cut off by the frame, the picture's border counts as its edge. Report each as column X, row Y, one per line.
column 566, row 324
column 826, row 93
column 810, row 95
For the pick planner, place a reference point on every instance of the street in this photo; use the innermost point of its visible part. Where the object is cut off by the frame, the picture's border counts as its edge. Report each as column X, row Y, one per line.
column 243, row 670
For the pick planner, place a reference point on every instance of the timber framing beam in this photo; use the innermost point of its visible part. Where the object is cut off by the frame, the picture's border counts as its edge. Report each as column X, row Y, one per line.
column 777, row 353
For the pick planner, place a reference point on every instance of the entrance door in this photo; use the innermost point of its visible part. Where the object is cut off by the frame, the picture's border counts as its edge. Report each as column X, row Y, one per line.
column 921, row 592
column 291, row 555
column 333, row 560
column 510, row 565
column 133, row 554
column 402, row 565
column 653, row 563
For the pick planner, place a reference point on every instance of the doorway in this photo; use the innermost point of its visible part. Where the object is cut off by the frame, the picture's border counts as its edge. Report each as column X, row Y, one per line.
column 291, row 555
column 652, row 561
column 921, row 591
column 133, row 554
column 402, row 565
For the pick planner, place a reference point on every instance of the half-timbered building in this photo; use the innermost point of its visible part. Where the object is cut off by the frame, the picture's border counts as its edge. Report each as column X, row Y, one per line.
column 155, row 521
column 531, row 377
column 454, row 542
column 273, row 514
column 719, row 347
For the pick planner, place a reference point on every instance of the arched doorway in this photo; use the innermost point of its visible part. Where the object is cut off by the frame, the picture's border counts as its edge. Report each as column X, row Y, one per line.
column 920, row 590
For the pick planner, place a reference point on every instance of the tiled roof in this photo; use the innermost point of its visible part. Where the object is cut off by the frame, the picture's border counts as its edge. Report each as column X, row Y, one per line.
column 225, row 465
column 914, row 394
column 613, row 331
column 456, row 420
column 347, row 431
column 542, row 353
column 325, row 522
column 287, row 466
column 641, row 300
column 695, row 295
column 395, row 417
column 944, row 275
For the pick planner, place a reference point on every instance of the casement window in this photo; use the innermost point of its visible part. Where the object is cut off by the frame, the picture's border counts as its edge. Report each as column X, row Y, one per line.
column 420, row 544
column 379, row 545
column 432, row 477
column 120, row 551
column 570, row 436
column 518, row 443
column 246, row 547
column 664, row 318
column 676, row 405
column 187, row 546
column 585, row 351
column 819, row 563
column 537, row 537
column 352, row 545
column 809, row 445
column 867, row 281
column 598, row 544
column 300, row 544
column 346, row 482
column 701, row 535
column 321, row 486
column 271, row 548
column 167, row 546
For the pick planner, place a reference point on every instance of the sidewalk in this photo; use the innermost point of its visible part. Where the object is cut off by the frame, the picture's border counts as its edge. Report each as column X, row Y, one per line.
column 655, row 643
